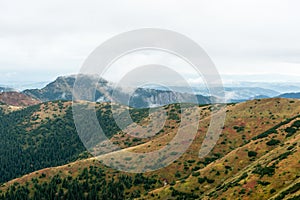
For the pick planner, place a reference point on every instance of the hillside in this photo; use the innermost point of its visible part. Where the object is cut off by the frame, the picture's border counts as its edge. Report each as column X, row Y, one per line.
column 17, row 99
column 33, row 139
column 44, row 135
column 256, row 157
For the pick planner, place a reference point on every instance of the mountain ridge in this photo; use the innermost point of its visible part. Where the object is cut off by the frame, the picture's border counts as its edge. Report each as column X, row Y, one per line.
column 255, row 132
column 148, row 96
column 293, row 95
column 62, row 89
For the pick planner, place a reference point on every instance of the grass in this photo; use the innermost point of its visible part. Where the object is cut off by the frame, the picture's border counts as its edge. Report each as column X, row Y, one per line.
column 228, row 170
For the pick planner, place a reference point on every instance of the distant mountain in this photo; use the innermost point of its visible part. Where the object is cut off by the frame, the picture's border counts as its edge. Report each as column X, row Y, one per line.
column 62, row 87
column 281, row 87
column 252, row 98
column 290, row 95
column 152, row 98
column 238, row 94
column 20, row 86
column 261, row 97
column 17, row 99
column 6, row 89
column 232, row 94
column 274, row 81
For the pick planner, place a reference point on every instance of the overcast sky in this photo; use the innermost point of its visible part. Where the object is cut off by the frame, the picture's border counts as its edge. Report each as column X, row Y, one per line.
column 40, row 40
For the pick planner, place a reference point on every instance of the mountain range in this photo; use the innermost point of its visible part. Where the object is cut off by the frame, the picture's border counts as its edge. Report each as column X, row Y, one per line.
column 256, row 157
column 62, row 87
column 150, row 96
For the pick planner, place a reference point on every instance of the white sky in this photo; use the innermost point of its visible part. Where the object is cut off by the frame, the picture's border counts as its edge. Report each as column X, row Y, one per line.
column 40, row 40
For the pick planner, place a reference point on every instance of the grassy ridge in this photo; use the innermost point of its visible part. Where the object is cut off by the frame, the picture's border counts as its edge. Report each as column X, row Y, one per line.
column 242, row 164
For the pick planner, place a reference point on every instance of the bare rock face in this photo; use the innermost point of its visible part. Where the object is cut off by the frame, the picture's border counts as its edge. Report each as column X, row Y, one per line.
column 151, row 98
column 62, row 88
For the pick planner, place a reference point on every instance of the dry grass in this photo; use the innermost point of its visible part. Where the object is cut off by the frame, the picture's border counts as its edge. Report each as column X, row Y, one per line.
column 252, row 117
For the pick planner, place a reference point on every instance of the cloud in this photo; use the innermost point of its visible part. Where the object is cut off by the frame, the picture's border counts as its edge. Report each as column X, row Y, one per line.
column 241, row 37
